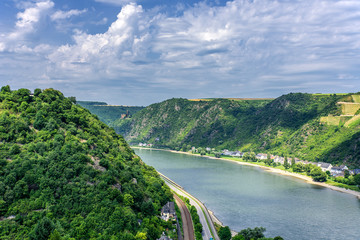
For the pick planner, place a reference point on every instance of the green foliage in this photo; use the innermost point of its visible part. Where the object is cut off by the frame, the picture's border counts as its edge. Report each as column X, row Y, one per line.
column 287, row 126
column 298, row 167
column 66, row 175
column 196, row 222
column 107, row 113
column 43, row 229
column 224, row 233
column 318, row 175
column 249, row 234
column 357, row 179
column 286, row 163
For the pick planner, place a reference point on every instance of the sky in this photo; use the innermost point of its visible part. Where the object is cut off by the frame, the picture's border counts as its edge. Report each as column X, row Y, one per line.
column 138, row 52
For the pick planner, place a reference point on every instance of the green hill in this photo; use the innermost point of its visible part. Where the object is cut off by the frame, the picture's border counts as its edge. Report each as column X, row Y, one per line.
column 66, row 175
column 109, row 113
column 289, row 125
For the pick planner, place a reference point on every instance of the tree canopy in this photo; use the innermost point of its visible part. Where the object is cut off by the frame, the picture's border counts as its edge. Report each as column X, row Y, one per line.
column 66, row 175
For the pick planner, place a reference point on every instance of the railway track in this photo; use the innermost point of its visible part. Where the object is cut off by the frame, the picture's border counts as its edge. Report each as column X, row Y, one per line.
column 186, row 218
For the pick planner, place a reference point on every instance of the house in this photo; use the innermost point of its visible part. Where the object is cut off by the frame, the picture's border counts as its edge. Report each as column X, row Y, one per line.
column 344, row 167
column 261, row 156
column 163, row 237
column 168, row 211
column 278, row 159
column 325, row 166
column 336, row 171
column 297, row 160
column 233, row 154
column 356, row 171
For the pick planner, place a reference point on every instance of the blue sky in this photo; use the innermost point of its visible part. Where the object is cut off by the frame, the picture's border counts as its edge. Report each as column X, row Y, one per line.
column 141, row 52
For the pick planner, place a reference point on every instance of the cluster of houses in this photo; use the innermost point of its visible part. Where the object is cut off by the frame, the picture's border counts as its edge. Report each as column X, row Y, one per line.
column 335, row 171
column 145, row 145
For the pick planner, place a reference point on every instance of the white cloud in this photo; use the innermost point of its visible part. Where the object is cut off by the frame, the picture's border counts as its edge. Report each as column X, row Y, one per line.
column 59, row 15
column 258, row 46
column 116, row 2
column 28, row 19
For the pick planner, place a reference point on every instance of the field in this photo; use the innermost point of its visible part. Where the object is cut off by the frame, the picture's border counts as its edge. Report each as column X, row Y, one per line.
column 331, row 120
column 349, row 108
column 353, row 121
column 356, row 98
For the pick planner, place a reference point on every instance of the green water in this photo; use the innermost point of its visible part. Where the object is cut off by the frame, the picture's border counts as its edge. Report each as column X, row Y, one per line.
column 243, row 196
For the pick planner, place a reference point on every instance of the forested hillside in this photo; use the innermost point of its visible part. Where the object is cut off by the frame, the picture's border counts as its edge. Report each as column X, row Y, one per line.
column 108, row 113
column 289, row 125
column 66, row 175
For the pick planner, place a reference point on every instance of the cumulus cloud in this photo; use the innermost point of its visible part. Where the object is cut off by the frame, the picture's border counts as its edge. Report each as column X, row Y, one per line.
column 244, row 48
column 28, row 19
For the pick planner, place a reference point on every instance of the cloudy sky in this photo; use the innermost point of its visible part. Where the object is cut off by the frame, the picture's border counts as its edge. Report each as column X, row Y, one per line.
column 140, row 52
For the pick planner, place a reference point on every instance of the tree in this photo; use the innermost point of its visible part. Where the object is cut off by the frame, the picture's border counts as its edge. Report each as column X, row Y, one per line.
column 55, row 235
column 318, row 175
column 357, row 179
column 37, row 92
column 255, row 233
column 238, row 237
column 298, row 167
column 249, row 156
column 278, row 238
column 346, row 174
column 5, row 89
column 286, row 163
column 268, row 160
column 128, row 200
column 224, row 233
column 43, row 229
column 72, row 99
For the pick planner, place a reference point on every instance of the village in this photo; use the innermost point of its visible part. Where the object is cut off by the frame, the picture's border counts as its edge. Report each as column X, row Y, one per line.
column 334, row 171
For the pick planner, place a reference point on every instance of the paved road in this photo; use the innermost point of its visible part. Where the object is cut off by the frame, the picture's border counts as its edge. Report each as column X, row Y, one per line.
column 204, row 216
column 186, row 219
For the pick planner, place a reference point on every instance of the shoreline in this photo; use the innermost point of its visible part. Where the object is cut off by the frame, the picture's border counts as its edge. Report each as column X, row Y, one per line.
column 307, row 179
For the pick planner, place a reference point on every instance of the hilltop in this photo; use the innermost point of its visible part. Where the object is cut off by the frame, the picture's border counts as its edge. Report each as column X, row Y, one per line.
column 294, row 125
column 66, row 175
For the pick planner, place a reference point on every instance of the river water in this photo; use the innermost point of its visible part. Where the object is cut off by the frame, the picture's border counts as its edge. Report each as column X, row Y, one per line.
column 244, row 196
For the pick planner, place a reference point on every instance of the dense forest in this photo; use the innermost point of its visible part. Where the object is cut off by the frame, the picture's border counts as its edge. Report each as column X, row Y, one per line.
column 109, row 113
column 64, row 174
column 287, row 126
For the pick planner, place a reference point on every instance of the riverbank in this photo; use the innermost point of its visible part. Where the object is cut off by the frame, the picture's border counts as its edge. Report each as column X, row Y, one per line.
column 307, row 179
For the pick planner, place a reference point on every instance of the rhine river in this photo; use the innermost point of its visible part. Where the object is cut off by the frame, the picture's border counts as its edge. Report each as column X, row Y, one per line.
column 244, row 196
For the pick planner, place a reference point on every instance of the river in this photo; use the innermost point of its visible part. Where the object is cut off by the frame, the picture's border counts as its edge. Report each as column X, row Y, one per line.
column 244, row 196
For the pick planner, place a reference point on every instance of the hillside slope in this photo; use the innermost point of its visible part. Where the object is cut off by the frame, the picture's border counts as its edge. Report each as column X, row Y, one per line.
column 289, row 125
column 109, row 113
column 66, row 175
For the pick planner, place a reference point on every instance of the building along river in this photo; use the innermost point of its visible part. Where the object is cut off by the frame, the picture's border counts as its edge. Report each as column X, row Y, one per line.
column 245, row 196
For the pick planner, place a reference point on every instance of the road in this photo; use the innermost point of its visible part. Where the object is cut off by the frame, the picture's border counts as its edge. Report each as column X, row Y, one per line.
column 186, row 219
column 204, row 216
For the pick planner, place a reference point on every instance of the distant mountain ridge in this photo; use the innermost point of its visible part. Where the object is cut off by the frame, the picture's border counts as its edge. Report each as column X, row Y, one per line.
column 109, row 113
column 291, row 125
